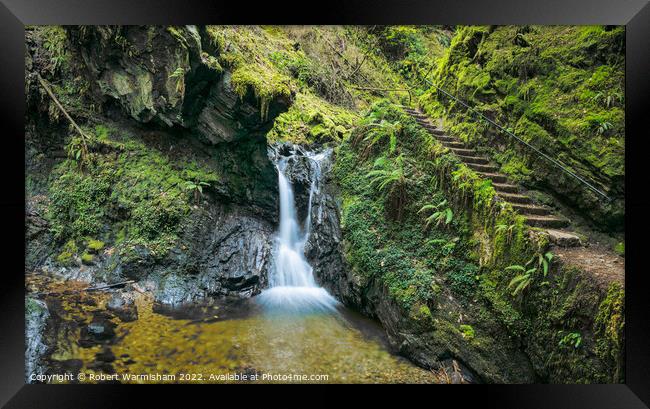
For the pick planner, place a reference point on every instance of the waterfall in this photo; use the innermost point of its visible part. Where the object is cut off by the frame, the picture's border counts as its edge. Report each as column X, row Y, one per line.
column 292, row 284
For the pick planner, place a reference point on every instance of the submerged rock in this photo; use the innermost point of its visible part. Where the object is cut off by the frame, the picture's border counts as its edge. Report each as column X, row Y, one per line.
column 100, row 331
column 123, row 305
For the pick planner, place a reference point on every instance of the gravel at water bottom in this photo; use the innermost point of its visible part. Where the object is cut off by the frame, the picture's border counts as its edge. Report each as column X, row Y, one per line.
column 251, row 347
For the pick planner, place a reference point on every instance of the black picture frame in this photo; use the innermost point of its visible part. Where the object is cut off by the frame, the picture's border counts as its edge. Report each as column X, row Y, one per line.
column 634, row 14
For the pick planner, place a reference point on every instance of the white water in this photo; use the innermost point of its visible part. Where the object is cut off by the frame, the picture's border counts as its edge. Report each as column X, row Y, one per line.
column 292, row 284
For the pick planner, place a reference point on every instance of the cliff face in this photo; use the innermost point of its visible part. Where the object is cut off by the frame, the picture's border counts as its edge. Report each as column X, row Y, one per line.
column 176, row 187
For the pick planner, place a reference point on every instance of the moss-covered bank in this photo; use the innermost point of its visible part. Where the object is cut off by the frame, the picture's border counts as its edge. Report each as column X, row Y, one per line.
column 559, row 88
column 467, row 247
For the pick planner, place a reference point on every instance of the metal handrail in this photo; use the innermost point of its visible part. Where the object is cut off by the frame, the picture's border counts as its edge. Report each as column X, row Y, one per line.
column 539, row 152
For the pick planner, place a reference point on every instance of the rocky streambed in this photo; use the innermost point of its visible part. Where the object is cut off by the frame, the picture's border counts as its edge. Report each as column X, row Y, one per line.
column 122, row 335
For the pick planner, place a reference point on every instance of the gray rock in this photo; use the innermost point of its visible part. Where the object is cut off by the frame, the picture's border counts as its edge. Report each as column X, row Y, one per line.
column 123, row 305
column 36, row 315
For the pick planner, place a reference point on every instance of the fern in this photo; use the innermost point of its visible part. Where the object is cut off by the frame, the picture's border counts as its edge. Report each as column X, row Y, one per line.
column 389, row 176
column 442, row 214
column 522, row 281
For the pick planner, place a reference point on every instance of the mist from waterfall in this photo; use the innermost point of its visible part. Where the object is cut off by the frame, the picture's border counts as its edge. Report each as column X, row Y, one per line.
column 292, row 287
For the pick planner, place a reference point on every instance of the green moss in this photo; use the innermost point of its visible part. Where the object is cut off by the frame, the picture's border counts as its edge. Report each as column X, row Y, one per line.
column 312, row 119
column 66, row 257
column 609, row 330
column 467, row 331
column 555, row 87
column 620, row 248
column 135, row 198
column 94, row 246
column 87, row 258
column 265, row 83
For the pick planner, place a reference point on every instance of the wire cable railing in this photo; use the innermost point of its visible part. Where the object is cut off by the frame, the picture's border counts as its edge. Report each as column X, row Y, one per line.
column 523, row 142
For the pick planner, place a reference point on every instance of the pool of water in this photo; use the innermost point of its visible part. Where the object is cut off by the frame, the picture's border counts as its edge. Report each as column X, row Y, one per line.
column 234, row 341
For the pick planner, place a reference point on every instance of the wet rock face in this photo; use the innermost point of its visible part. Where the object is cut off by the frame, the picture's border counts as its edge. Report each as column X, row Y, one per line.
column 39, row 240
column 36, row 315
column 228, row 253
column 323, row 248
column 227, row 117
column 162, row 75
column 142, row 69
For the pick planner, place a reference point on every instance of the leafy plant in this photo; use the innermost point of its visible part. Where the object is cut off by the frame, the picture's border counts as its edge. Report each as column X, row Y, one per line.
column 442, row 215
column 508, row 229
column 467, row 331
column 390, row 129
column 179, row 75
column 603, row 127
column 447, row 246
column 608, row 100
column 573, row 339
column 388, row 175
column 522, row 281
column 196, row 188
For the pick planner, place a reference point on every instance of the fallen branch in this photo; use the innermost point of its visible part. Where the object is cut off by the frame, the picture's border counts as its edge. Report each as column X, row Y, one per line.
column 84, row 137
column 97, row 288
column 107, row 286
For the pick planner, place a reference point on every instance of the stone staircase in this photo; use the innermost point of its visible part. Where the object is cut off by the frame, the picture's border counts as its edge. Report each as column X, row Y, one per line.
column 535, row 215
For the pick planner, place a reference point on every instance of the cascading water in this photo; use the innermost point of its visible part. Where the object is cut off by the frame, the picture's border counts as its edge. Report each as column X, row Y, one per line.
column 292, row 284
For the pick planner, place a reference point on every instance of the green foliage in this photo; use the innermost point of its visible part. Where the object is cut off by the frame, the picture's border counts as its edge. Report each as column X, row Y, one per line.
column 522, row 281
column 66, row 257
column 77, row 205
column 55, row 43
column 559, row 88
column 571, row 339
column 179, row 76
column 389, row 176
column 196, row 188
column 441, row 215
column 609, row 328
column 467, row 331
column 312, row 119
column 138, row 197
column 94, row 245
column 620, row 248
column 265, row 83
column 87, row 258
column 383, row 129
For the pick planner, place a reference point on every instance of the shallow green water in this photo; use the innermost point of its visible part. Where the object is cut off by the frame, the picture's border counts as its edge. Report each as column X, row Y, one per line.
column 224, row 344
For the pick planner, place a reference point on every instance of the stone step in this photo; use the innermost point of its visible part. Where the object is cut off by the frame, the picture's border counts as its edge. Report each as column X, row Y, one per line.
column 437, row 131
column 530, row 209
column 515, row 198
column 446, row 138
column 482, row 168
column 563, row 238
column 422, row 120
column 505, row 187
column 473, row 159
column 452, row 143
column 495, row 177
column 463, row 151
column 553, row 222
